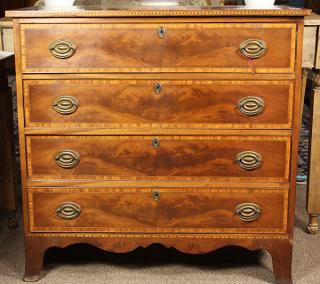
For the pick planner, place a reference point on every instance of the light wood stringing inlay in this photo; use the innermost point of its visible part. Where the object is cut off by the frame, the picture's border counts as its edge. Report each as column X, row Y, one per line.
column 161, row 52
column 188, row 104
column 168, row 196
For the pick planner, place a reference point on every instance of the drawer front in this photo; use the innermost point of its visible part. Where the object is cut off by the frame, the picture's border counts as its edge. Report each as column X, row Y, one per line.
column 163, row 104
column 159, row 158
column 160, row 47
column 165, row 210
column 230, row 47
column 89, row 47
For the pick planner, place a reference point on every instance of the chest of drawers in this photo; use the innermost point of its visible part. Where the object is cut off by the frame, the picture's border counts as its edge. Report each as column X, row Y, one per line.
column 142, row 126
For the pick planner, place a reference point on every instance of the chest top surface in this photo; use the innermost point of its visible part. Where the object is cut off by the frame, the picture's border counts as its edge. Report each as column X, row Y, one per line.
column 148, row 8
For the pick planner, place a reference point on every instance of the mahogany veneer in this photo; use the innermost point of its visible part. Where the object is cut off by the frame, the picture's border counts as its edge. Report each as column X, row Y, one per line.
column 195, row 103
column 194, row 47
column 178, row 158
column 183, row 210
column 152, row 125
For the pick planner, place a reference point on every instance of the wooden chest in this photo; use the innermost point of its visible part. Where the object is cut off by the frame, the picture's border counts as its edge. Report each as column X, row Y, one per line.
column 153, row 125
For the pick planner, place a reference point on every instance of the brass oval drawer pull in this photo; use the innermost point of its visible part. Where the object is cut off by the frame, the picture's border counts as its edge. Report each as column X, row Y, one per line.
column 62, row 49
column 253, row 48
column 248, row 212
column 157, row 88
column 161, row 32
column 65, row 105
column 249, row 160
column 67, row 159
column 156, row 195
column 155, row 143
column 251, row 105
column 68, row 210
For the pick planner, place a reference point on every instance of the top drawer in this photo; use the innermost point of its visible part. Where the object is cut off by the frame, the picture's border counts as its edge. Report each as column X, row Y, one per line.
column 214, row 47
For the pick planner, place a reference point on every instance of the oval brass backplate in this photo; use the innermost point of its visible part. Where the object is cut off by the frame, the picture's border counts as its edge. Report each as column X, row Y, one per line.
column 156, row 143
column 248, row 212
column 251, row 105
column 68, row 210
column 62, row 49
column 249, row 160
column 65, row 105
column 67, row 159
column 253, row 48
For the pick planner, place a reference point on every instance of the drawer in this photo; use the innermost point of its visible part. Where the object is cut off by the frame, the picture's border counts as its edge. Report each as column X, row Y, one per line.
column 158, row 104
column 255, row 158
column 250, row 47
column 89, row 47
column 158, row 47
column 164, row 210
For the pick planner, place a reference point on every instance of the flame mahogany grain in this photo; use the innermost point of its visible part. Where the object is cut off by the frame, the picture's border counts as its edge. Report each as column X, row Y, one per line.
column 185, row 47
column 182, row 210
column 104, row 103
column 178, row 158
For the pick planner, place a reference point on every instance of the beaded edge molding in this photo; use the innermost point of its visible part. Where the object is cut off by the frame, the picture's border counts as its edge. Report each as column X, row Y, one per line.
column 158, row 13
column 160, row 236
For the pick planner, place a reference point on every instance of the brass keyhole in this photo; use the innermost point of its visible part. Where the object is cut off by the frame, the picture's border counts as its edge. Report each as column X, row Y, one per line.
column 161, row 32
column 157, row 88
column 155, row 143
column 156, row 195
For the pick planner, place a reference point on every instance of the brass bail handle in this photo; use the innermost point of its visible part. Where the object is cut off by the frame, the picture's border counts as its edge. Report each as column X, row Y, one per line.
column 68, row 210
column 253, row 48
column 248, row 212
column 67, row 159
column 62, row 49
column 65, row 105
column 251, row 105
column 249, row 160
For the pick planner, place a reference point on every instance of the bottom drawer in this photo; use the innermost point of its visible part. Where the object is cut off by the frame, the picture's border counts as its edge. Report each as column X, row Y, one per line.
column 165, row 210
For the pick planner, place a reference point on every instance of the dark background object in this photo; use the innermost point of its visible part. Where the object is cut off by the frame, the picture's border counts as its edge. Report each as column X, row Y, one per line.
column 296, row 3
column 11, row 4
column 14, row 4
column 314, row 5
